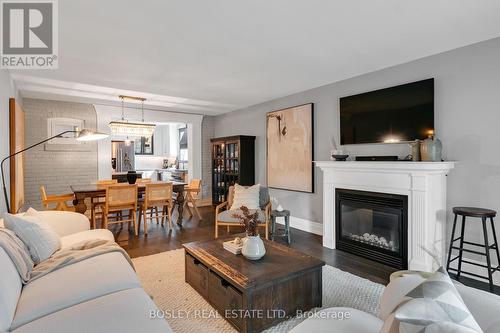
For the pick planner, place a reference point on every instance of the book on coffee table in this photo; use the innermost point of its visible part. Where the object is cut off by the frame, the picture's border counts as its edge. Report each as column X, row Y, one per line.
column 232, row 246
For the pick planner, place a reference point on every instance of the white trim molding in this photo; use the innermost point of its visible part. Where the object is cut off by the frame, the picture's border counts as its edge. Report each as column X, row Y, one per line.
column 424, row 183
column 303, row 224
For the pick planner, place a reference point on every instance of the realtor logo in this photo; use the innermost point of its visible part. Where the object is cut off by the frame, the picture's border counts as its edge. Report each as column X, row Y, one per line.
column 29, row 34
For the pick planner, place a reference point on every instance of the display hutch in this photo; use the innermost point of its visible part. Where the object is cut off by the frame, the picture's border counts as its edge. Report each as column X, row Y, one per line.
column 233, row 162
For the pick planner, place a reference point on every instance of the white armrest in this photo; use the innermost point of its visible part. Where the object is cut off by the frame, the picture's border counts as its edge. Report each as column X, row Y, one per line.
column 65, row 223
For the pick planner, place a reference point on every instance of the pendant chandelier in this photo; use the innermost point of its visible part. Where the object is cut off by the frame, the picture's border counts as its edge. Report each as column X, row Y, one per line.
column 134, row 129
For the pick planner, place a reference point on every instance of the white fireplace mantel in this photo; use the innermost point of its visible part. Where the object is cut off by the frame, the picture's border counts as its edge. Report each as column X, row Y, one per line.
column 423, row 182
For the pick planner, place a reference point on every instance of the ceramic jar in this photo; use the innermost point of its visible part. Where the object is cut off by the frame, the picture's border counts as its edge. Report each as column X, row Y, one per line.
column 131, row 177
column 253, row 248
column 431, row 149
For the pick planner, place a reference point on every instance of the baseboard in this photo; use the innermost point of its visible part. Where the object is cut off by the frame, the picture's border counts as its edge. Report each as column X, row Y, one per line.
column 303, row 224
column 476, row 270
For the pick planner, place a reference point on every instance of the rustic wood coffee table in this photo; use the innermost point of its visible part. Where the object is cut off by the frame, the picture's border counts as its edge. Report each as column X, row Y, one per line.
column 254, row 295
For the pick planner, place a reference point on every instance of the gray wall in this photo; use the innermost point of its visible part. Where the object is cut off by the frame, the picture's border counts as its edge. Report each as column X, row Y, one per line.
column 56, row 170
column 467, row 120
column 7, row 90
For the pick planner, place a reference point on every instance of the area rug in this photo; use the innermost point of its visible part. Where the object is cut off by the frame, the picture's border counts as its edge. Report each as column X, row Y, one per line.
column 162, row 276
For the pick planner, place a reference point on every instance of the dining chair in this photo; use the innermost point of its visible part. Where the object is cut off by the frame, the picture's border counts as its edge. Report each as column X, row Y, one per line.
column 96, row 204
column 60, row 201
column 119, row 198
column 156, row 195
column 191, row 194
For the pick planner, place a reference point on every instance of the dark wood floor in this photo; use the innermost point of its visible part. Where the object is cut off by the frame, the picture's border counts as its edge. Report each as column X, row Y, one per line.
column 160, row 239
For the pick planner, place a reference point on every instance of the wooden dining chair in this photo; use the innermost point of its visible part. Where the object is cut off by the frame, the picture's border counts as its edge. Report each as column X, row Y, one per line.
column 119, row 198
column 157, row 195
column 191, row 192
column 56, row 202
column 96, row 204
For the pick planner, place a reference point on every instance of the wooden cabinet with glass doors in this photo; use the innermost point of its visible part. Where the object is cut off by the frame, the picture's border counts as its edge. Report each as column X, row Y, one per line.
column 233, row 162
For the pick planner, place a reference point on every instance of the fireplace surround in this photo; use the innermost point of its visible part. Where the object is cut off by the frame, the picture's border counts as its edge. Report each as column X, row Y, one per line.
column 424, row 185
column 373, row 225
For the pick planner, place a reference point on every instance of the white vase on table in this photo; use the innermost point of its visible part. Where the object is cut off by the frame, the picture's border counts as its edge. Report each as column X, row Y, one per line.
column 253, row 248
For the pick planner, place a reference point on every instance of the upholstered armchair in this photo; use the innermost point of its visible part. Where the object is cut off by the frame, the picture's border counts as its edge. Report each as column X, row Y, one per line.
column 223, row 214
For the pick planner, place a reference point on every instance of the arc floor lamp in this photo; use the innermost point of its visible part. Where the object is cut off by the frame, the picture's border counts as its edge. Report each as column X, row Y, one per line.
column 80, row 135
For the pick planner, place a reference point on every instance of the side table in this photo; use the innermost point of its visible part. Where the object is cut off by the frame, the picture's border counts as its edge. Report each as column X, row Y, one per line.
column 286, row 214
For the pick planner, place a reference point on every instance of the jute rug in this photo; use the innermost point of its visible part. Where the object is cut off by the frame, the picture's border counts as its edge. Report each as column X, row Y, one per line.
column 162, row 276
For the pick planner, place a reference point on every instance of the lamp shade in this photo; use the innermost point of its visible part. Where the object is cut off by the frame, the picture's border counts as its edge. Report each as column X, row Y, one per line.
column 88, row 135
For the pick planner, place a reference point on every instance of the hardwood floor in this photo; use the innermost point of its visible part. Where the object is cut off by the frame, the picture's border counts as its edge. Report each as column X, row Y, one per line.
column 160, row 239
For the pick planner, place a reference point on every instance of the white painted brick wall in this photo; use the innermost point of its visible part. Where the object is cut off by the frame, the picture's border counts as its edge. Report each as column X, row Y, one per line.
column 207, row 129
column 56, row 170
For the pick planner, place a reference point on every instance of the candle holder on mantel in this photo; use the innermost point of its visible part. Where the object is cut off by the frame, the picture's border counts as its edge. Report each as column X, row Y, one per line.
column 339, row 155
column 336, row 153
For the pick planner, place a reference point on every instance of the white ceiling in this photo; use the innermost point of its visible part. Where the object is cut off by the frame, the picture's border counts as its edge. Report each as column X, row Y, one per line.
column 215, row 56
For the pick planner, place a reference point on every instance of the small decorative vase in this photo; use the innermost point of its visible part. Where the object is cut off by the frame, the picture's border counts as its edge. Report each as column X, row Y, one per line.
column 435, row 150
column 253, row 248
column 431, row 149
column 131, row 177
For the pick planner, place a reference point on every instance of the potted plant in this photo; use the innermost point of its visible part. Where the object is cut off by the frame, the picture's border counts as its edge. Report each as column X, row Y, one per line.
column 253, row 246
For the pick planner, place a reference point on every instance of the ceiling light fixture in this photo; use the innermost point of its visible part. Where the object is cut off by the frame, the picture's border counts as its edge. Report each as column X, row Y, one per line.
column 135, row 129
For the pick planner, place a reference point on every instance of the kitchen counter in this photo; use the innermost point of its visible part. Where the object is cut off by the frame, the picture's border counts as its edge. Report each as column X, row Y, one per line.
column 123, row 173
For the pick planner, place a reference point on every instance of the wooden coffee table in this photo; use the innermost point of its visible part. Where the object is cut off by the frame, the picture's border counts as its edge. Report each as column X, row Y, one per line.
column 254, row 295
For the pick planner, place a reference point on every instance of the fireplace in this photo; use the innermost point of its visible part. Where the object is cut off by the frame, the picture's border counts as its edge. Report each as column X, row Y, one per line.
column 373, row 225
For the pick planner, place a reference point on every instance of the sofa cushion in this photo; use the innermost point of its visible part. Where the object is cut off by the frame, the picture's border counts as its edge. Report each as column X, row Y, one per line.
column 335, row 320
column 395, row 293
column 10, row 290
column 65, row 223
column 484, row 306
column 70, row 240
column 40, row 239
column 126, row 311
column 227, row 216
column 429, row 305
column 74, row 284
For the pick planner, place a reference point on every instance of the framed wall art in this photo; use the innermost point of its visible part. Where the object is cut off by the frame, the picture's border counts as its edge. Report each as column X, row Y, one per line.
column 290, row 148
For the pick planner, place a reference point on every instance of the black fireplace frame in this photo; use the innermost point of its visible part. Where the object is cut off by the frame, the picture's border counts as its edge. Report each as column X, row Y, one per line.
column 377, row 200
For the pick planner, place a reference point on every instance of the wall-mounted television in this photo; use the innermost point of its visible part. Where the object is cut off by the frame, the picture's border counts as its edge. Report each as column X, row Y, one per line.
column 398, row 114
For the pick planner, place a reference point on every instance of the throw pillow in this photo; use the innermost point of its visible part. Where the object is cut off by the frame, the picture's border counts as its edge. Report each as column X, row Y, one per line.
column 433, row 306
column 38, row 237
column 248, row 197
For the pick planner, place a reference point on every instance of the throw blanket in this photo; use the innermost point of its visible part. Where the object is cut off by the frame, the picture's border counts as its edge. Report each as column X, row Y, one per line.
column 19, row 255
column 76, row 253
column 17, row 252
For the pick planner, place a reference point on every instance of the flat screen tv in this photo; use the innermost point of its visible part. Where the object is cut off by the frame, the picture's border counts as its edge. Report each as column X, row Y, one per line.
column 398, row 114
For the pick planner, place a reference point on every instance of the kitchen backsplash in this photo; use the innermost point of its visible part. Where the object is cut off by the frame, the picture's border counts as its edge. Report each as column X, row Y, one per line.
column 148, row 162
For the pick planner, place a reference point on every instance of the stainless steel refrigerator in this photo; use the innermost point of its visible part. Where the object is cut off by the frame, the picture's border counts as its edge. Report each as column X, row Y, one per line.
column 123, row 156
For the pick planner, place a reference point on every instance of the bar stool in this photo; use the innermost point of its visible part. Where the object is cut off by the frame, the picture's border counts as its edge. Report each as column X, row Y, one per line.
column 483, row 214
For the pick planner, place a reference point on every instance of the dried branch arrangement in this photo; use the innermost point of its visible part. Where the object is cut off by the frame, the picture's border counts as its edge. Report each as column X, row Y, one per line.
column 249, row 220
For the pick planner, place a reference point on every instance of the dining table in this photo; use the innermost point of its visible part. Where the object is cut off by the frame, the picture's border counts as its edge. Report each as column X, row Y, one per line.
column 91, row 191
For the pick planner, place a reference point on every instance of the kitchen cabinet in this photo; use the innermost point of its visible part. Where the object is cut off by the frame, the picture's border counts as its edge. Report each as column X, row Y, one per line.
column 144, row 146
column 162, row 141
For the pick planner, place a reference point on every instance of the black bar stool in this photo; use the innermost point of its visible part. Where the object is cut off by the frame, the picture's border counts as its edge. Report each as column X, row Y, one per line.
column 483, row 214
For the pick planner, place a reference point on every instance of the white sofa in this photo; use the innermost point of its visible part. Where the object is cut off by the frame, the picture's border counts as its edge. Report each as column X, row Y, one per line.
column 485, row 308
column 100, row 294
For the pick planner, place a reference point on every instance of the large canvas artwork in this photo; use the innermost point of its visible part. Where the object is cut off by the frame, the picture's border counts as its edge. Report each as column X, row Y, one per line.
column 290, row 148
